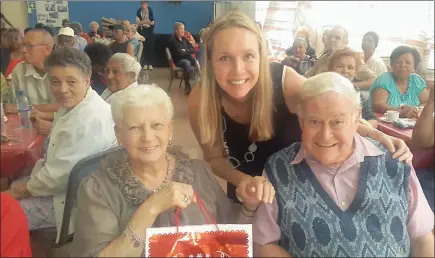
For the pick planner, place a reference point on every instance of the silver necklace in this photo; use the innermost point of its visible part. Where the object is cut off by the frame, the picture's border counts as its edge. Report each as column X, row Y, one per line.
column 167, row 178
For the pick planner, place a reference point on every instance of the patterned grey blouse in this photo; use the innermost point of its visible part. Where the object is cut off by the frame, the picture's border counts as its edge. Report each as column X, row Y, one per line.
column 108, row 198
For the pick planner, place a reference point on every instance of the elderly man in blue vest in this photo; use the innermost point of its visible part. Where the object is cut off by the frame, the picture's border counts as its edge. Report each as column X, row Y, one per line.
column 337, row 193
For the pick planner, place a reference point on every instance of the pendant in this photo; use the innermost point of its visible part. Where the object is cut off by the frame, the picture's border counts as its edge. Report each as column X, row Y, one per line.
column 252, row 147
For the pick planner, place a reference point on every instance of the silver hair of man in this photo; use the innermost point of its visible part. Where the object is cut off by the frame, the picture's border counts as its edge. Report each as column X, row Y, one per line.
column 177, row 25
column 328, row 82
column 93, row 23
column 128, row 63
column 143, row 95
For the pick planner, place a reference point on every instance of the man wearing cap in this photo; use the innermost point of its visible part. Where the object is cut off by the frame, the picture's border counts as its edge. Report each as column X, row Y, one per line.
column 121, row 43
column 65, row 37
column 30, row 76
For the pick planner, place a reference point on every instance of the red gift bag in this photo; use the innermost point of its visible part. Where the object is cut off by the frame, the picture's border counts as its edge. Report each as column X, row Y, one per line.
column 212, row 240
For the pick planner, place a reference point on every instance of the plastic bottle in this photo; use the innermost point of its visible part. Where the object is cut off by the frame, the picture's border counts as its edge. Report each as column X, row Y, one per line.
column 24, row 110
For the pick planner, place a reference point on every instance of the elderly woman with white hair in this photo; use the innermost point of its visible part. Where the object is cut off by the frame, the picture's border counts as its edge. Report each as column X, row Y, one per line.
column 141, row 185
column 82, row 127
column 122, row 71
column 337, row 193
column 95, row 32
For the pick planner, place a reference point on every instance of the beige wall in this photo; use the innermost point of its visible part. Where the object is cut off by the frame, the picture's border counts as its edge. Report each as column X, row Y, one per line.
column 16, row 13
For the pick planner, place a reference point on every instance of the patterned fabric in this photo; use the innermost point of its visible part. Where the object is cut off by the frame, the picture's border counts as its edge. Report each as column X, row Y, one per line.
column 302, row 66
column 313, row 226
column 395, row 98
column 39, row 210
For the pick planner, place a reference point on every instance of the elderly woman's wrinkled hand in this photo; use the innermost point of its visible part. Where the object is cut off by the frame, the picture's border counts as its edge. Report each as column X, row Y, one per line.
column 175, row 195
column 408, row 111
column 254, row 190
column 398, row 147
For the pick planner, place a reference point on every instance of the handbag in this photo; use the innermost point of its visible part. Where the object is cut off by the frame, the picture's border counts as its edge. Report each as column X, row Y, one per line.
column 210, row 240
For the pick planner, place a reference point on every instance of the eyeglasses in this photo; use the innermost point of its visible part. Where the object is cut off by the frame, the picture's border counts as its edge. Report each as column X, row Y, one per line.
column 30, row 46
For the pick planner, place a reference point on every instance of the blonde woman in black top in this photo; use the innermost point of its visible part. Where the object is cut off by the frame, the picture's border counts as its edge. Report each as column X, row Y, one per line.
column 244, row 109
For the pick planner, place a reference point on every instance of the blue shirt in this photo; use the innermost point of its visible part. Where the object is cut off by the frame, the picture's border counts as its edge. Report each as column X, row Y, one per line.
column 395, row 98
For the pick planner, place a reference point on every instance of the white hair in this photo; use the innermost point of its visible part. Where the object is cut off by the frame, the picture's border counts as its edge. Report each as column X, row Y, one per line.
column 328, row 82
column 128, row 63
column 92, row 23
column 143, row 95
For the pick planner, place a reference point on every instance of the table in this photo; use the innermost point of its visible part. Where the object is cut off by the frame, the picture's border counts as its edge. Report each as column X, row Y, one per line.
column 423, row 158
column 23, row 154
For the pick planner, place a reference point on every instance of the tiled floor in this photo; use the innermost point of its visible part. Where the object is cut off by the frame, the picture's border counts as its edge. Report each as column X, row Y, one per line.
column 183, row 136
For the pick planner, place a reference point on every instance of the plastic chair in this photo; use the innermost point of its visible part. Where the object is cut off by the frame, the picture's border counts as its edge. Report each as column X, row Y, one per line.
column 173, row 69
column 81, row 170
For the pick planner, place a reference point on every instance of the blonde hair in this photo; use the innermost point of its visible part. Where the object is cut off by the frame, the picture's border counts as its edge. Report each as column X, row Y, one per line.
column 347, row 52
column 210, row 126
column 305, row 31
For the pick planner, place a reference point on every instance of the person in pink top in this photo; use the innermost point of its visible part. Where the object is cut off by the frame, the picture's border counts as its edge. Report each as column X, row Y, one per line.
column 337, row 193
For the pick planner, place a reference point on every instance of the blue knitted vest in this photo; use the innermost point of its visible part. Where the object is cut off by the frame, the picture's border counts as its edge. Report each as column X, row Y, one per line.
column 312, row 225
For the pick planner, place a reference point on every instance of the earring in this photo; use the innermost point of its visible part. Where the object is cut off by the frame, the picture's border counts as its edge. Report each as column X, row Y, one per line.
column 170, row 140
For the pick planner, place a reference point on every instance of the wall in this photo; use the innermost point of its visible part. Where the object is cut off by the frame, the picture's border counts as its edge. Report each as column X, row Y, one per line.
column 247, row 7
column 196, row 15
column 16, row 13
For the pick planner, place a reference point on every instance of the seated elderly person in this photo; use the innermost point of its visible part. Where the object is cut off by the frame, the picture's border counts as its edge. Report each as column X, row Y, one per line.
column 181, row 51
column 141, row 185
column 129, row 33
column 299, row 60
column 337, row 193
column 65, row 38
column 401, row 90
column 136, row 35
column 121, row 72
column 83, row 126
column 346, row 62
column 338, row 40
column 304, row 33
column 82, row 38
column 99, row 55
column 95, row 32
column 30, row 76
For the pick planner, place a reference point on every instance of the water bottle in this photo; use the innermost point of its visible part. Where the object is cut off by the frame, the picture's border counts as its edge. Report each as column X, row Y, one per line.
column 24, row 110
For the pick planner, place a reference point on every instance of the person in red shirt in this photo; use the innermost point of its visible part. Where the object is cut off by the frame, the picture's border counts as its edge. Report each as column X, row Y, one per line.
column 15, row 239
column 15, row 54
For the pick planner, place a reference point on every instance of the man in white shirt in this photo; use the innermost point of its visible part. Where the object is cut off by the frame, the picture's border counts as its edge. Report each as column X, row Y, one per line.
column 374, row 62
column 30, row 76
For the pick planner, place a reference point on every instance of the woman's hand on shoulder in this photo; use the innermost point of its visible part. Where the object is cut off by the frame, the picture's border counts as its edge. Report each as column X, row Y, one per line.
column 254, row 190
column 175, row 195
column 398, row 147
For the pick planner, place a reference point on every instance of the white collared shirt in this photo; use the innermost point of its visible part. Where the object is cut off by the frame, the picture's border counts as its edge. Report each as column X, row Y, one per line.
column 377, row 65
column 36, row 87
column 85, row 130
column 107, row 94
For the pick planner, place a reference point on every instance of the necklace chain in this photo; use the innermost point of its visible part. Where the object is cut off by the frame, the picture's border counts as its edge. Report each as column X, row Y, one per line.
column 167, row 178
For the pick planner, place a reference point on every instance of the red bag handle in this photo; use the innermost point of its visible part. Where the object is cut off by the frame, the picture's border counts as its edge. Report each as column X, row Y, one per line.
column 202, row 208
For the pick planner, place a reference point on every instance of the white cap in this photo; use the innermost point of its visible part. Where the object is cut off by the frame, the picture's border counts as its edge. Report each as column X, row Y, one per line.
column 67, row 31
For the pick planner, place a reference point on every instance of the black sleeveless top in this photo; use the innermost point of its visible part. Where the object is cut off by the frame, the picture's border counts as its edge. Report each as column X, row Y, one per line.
column 119, row 47
column 241, row 150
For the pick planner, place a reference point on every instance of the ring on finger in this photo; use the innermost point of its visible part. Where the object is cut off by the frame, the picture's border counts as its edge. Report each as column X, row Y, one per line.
column 186, row 198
